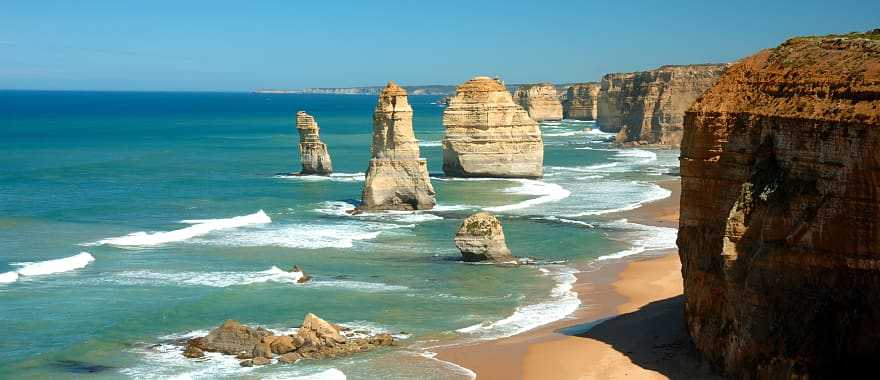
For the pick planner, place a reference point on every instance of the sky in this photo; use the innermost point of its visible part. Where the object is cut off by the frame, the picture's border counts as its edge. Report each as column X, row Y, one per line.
column 223, row 45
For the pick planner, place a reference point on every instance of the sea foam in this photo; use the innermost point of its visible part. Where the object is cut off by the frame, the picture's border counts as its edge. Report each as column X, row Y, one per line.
column 198, row 228
column 547, row 192
column 644, row 238
column 55, row 266
column 334, row 177
column 562, row 301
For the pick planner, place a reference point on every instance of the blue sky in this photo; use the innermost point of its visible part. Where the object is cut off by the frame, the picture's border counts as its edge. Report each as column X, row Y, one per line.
column 243, row 45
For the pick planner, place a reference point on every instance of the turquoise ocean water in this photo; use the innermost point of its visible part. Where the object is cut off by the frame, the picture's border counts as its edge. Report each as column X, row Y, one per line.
column 168, row 216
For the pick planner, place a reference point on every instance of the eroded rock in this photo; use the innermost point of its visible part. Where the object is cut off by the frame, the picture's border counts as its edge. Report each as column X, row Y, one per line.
column 540, row 101
column 581, row 101
column 312, row 151
column 481, row 238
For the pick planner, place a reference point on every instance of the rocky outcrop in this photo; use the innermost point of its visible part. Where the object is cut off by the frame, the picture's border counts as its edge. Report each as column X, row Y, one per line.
column 481, row 238
column 312, row 151
column 315, row 339
column 648, row 107
column 488, row 135
column 780, row 212
column 581, row 101
column 397, row 179
column 540, row 101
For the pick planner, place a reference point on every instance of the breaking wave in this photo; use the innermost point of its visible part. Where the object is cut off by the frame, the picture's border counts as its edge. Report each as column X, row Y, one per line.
column 546, row 192
column 335, row 177
column 198, row 228
column 644, row 238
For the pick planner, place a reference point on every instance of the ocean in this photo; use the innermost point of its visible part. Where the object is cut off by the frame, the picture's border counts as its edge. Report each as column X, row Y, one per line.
column 131, row 220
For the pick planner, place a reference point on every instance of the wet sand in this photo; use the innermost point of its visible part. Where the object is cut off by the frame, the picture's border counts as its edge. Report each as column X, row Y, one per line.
column 630, row 323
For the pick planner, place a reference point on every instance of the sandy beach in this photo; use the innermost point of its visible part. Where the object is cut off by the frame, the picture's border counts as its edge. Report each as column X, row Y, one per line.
column 629, row 325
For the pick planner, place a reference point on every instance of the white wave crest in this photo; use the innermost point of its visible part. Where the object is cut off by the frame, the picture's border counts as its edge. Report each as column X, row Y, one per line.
column 338, row 208
column 546, row 191
column 66, row 264
column 563, row 220
column 429, row 143
column 561, row 302
column 307, row 236
column 8, row 277
column 644, row 238
column 654, row 193
column 198, row 228
column 334, row 177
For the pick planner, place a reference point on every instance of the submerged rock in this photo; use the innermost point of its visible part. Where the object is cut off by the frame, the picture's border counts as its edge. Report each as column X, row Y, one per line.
column 780, row 212
column 315, row 339
column 581, row 101
column 397, row 179
column 481, row 238
column 488, row 135
column 647, row 107
column 540, row 100
column 312, row 151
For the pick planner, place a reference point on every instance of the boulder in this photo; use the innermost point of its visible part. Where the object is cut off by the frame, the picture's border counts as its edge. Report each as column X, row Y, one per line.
column 283, row 345
column 488, row 135
column 289, row 358
column 232, row 338
column 481, row 238
column 323, row 330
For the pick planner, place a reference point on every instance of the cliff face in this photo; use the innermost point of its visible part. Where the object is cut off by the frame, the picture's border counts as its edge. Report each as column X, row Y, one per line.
column 397, row 179
column 488, row 135
column 312, row 152
column 540, row 101
column 581, row 101
column 648, row 107
column 780, row 211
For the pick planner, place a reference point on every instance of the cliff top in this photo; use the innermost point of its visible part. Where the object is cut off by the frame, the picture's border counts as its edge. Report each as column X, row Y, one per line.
column 392, row 89
column 829, row 78
column 709, row 66
column 481, row 84
column 869, row 35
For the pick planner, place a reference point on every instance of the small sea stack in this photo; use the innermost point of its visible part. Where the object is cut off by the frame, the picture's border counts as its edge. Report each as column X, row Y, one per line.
column 396, row 179
column 481, row 238
column 488, row 135
column 581, row 101
column 540, row 100
column 312, row 151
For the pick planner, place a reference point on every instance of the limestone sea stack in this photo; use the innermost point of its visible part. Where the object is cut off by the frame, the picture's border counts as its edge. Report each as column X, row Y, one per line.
column 312, row 151
column 481, row 238
column 780, row 212
column 488, row 135
column 540, row 101
column 648, row 107
column 581, row 101
column 397, row 179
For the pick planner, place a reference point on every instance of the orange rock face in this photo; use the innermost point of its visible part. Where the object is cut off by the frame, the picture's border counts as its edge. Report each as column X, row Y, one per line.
column 780, row 211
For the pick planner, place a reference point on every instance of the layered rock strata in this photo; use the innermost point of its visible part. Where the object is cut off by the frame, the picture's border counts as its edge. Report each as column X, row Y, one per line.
column 540, row 101
column 780, row 212
column 481, row 238
column 397, row 179
column 488, row 135
column 315, row 339
column 581, row 101
column 312, row 151
column 648, row 107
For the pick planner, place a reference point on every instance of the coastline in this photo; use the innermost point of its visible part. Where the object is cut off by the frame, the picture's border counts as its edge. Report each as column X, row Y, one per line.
column 629, row 324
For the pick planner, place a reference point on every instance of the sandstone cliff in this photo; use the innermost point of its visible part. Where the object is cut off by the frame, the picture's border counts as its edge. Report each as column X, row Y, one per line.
column 312, row 152
column 488, row 135
column 780, row 211
column 481, row 238
column 397, row 179
column 648, row 107
column 540, row 101
column 581, row 101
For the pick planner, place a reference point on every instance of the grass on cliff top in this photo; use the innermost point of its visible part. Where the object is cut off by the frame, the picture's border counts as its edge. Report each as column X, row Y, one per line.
column 870, row 35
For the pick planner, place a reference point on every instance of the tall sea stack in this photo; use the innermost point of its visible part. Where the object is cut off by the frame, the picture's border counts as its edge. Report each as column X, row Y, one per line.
column 488, row 135
column 397, row 179
column 312, row 151
column 780, row 212
column 581, row 101
column 540, row 101
column 648, row 107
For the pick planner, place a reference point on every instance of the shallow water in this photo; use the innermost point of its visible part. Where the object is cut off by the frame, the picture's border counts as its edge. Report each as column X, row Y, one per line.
column 178, row 198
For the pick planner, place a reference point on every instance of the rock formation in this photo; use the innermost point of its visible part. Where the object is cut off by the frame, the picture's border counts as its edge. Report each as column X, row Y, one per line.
column 488, row 135
column 316, row 339
column 540, row 101
column 648, row 107
column 397, row 179
column 780, row 211
column 481, row 238
column 581, row 101
column 312, row 152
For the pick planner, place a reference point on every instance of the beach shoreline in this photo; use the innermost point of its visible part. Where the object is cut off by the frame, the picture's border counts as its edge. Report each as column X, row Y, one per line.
column 628, row 309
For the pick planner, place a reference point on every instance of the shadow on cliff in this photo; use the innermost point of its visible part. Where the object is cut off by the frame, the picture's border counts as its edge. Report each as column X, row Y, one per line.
column 653, row 337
